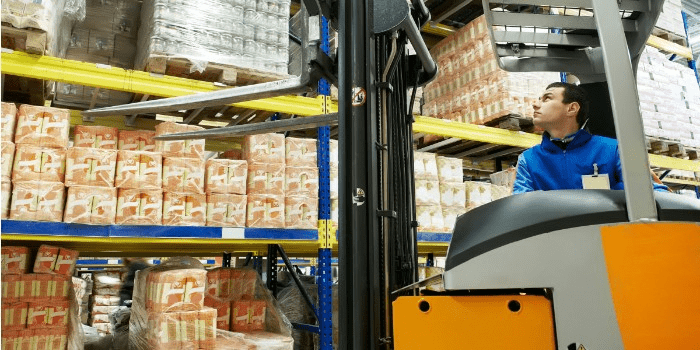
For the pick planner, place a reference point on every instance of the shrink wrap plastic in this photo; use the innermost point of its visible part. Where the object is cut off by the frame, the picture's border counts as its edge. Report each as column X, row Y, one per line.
column 498, row 192
column 449, row 216
column 38, row 163
column 504, row 178
column 37, row 201
column 8, row 120
column 452, row 194
column 227, row 210
column 450, row 169
column 301, row 212
column 139, row 170
column 264, row 148
column 425, row 166
column 139, row 207
column 334, row 152
column 226, row 176
column 42, row 126
column 95, row 137
column 180, row 148
column 334, row 181
column 183, row 175
column 136, row 140
column 265, row 211
column 427, row 192
column 6, row 194
column 8, row 155
column 300, row 152
column 14, row 260
column 91, row 205
column 90, row 167
column 430, row 218
column 184, row 209
column 55, row 260
column 301, row 181
column 106, row 280
column 478, row 193
column 266, row 179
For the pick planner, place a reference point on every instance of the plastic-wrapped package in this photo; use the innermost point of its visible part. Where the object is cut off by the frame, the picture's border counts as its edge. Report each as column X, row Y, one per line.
column 42, row 126
column 137, row 140
column 334, row 181
column 227, row 210
column 498, row 192
column 183, row 175
column 37, row 201
column 8, row 155
column 37, row 163
column 139, row 169
column 15, row 315
column 14, row 261
column 6, row 194
column 452, row 194
column 184, row 209
column 226, row 176
column 301, row 212
column 300, row 152
column 183, row 148
column 450, row 169
column 266, row 179
column 333, row 152
column 427, row 192
column 478, row 193
column 8, row 119
column 90, row 167
column 449, row 216
column 296, row 310
column 301, row 181
column 504, row 178
column 139, row 207
column 91, row 205
column 265, row 210
column 95, row 136
column 425, row 166
column 264, row 148
column 430, row 218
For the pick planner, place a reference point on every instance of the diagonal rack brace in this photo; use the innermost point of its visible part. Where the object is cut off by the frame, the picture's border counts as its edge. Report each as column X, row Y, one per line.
column 316, row 65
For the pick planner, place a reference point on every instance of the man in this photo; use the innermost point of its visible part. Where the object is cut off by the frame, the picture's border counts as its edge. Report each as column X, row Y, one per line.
column 568, row 152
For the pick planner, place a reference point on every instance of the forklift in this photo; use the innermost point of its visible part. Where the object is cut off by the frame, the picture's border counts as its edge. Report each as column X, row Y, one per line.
column 568, row 270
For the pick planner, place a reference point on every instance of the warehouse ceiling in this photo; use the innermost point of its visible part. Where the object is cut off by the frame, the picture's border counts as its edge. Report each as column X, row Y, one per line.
column 692, row 9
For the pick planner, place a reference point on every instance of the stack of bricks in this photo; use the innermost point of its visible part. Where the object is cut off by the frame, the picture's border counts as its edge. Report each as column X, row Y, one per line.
column 41, row 139
column 301, row 184
column 36, row 306
column 232, row 292
column 265, row 154
column 471, row 88
column 8, row 121
column 104, row 300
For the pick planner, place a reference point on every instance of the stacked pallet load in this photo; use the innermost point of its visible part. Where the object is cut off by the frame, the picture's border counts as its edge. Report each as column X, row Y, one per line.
column 7, row 124
column 104, row 300
column 39, row 309
column 301, row 184
column 671, row 19
column 471, row 88
column 333, row 148
column 83, row 293
column 439, row 191
column 265, row 154
column 226, row 183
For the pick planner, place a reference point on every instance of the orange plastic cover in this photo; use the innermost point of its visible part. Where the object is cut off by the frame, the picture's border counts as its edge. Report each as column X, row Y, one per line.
column 42, row 126
column 91, row 205
column 14, row 260
column 136, row 140
column 37, row 201
column 139, row 207
column 265, row 211
column 139, row 169
column 184, row 148
column 8, row 155
column 266, row 179
column 265, row 148
column 183, row 175
column 6, row 193
column 90, row 166
column 301, row 182
column 301, row 212
column 228, row 210
column 37, row 163
column 184, row 209
column 95, row 136
column 300, row 152
column 226, row 176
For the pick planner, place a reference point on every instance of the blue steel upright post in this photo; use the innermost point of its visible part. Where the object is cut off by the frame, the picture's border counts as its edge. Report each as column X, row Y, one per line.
column 324, row 279
column 691, row 63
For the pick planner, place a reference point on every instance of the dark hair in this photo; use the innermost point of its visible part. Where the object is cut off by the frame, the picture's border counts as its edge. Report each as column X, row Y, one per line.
column 574, row 93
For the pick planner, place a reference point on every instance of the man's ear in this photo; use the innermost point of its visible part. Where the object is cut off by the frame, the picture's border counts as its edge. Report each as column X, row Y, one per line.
column 573, row 109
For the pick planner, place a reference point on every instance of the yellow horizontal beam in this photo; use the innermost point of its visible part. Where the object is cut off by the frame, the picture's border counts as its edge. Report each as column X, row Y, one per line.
column 659, row 161
column 670, row 47
column 438, row 29
column 112, row 78
column 447, row 128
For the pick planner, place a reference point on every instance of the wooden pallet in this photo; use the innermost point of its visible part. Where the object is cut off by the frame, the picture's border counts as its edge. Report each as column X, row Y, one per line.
column 28, row 40
column 214, row 72
column 693, row 153
column 669, row 36
column 668, row 148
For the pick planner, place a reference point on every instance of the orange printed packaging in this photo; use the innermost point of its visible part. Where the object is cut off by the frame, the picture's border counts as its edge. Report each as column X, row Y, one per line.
column 38, row 163
column 265, row 211
column 240, row 316
column 167, row 290
column 65, row 263
column 24, row 290
column 223, row 311
column 184, row 209
column 257, row 310
column 226, row 176
column 8, row 121
column 225, row 285
column 9, row 338
column 164, row 331
column 206, row 328
column 301, row 182
column 12, row 286
column 301, row 212
column 58, row 314
column 37, row 201
column 58, row 338
column 60, row 286
column 43, row 126
column 183, row 175
column 264, row 148
column 46, row 259
column 212, row 288
column 189, row 320
column 139, row 207
column 8, row 155
column 37, row 315
column 300, row 152
column 95, row 137
column 227, row 210
column 24, row 339
column 181, row 148
column 194, row 288
column 90, row 167
column 244, row 281
column 6, row 193
column 266, row 179
column 136, row 140
column 41, row 286
column 139, row 169
column 14, row 260
column 14, row 316
column 91, row 205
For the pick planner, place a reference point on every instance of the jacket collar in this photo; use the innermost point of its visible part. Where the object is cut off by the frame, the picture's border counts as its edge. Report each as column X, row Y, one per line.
column 580, row 138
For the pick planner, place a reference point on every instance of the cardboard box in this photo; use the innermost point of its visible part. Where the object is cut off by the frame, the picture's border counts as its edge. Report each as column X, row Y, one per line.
column 14, row 316
column 8, row 120
column 301, row 182
column 300, row 152
column 139, row 207
column 183, row 175
column 65, row 263
column 226, row 176
column 6, row 194
column 14, row 260
column 248, row 315
column 95, row 136
column 90, row 167
column 37, row 315
column 266, row 179
column 38, row 163
column 213, row 286
column 136, row 140
column 450, row 215
column 427, row 192
column 301, row 212
column 183, row 148
column 91, row 205
column 227, row 210
column 184, row 209
column 8, row 155
column 265, row 211
column 42, row 126
column 139, row 169
column 37, row 201
column 265, row 148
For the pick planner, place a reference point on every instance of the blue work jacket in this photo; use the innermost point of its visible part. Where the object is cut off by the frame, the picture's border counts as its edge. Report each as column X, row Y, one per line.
column 547, row 167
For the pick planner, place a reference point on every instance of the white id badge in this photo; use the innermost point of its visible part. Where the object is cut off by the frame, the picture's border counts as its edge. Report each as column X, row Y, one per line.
column 596, row 182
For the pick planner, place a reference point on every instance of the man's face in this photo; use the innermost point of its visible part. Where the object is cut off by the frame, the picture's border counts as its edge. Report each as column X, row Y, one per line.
column 550, row 109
